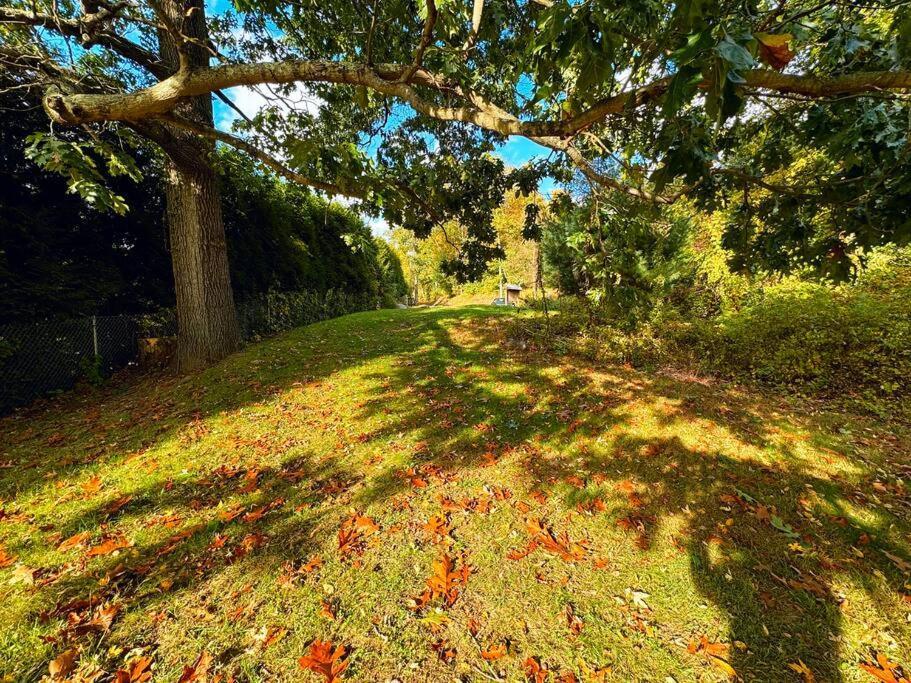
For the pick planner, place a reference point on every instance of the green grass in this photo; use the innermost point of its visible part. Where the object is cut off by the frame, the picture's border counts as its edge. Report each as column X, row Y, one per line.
column 330, row 415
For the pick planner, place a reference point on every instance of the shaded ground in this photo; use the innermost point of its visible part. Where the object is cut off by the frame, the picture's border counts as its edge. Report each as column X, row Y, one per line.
column 698, row 519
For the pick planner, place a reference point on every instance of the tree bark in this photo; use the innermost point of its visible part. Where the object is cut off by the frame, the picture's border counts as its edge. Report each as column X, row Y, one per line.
column 206, row 318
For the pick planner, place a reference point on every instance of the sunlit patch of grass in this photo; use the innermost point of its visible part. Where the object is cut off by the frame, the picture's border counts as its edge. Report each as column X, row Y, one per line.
column 702, row 510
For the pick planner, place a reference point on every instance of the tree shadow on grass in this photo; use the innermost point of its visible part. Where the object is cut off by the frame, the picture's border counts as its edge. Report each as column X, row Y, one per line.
column 772, row 538
column 456, row 400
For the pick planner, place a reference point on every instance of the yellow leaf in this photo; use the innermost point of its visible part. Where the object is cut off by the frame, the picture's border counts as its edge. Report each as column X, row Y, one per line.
column 803, row 670
column 723, row 665
column 774, row 40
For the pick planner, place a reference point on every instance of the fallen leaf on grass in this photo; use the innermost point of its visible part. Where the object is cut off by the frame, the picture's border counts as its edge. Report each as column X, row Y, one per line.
column 573, row 621
column 447, row 582
column 715, row 653
column 269, row 635
column 6, row 560
column 535, row 672
column 326, row 659
column 109, row 545
column 542, row 536
column 328, row 609
column 803, row 670
column 898, row 562
column 437, row 527
column 117, row 505
column 139, row 671
column 199, row 671
column 101, row 621
column 446, row 653
column 92, row 486
column 74, row 540
column 63, row 665
column 412, row 477
column 353, row 534
column 884, row 670
column 494, row 652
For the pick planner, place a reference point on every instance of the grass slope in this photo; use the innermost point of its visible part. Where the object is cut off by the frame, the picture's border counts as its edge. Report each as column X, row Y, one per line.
column 690, row 511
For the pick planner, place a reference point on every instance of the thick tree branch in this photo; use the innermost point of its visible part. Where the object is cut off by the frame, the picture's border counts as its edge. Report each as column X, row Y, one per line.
column 386, row 78
column 476, row 14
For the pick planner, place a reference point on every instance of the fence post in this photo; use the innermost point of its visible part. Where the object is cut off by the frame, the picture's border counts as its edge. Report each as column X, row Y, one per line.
column 95, row 334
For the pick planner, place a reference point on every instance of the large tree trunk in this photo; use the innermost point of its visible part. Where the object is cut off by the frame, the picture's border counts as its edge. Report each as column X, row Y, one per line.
column 206, row 319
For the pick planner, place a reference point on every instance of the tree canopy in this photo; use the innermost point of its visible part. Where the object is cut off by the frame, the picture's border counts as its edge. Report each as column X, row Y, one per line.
column 709, row 98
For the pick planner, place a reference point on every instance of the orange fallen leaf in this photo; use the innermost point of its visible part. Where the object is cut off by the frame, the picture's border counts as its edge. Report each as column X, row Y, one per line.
column 437, row 527
column 446, row 653
column 884, row 670
column 139, row 671
column 327, row 609
column 803, row 670
column 199, row 671
column 326, row 659
column 6, row 560
column 270, row 635
column 117, row 505
column 715, row 653
column 353, row 534
column 535, row 672
column 108, row 546
column 63, row 665
column 74, row 540
column 92, row 486
column 542, row 536
column 446, row 582
column 494, row 652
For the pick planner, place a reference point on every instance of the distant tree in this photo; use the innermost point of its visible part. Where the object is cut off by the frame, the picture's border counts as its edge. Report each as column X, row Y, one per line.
column 623, row 255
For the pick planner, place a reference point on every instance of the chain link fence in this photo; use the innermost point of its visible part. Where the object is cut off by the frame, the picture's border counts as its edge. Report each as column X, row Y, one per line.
column 42, row 358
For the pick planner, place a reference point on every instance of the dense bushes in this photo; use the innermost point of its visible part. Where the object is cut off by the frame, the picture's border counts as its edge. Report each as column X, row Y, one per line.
column 279, row 311
column 850, row 342
column 851, row 339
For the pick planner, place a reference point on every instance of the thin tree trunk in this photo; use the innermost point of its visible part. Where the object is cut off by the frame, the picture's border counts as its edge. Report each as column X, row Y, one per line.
column 206, row 318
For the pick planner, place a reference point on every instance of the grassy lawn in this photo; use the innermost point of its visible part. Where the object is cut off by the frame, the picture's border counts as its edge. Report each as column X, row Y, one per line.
column 615, row 525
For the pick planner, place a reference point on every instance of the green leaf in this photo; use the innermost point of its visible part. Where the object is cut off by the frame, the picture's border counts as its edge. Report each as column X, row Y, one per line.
column 682, row 88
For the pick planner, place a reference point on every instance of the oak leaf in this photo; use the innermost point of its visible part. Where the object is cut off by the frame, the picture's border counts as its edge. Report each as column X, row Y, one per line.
column 774, row 49
column 109, row 545
column 139, row 671
column 63, row 665
column 447, row 582
column 198, row 672
column 494, row 651
column 535, row 672
column 326, row 659
column 884, row 670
